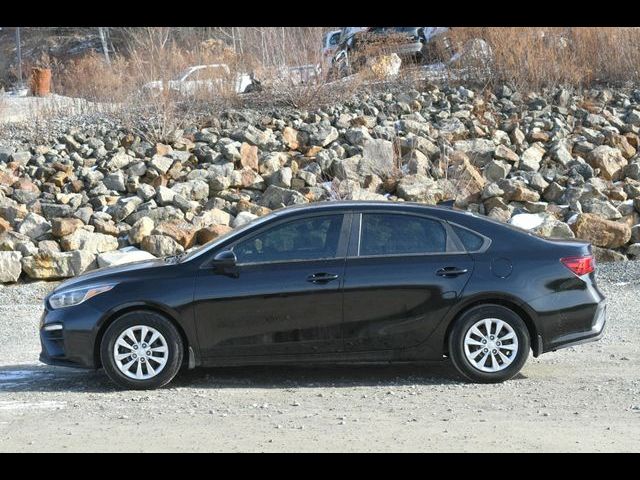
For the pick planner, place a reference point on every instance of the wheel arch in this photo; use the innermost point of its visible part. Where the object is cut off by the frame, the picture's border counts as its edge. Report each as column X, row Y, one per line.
column 114, row 315
column 510, row 303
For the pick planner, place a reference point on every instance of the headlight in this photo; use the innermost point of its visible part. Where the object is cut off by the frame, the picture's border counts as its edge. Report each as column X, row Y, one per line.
column 76, row 297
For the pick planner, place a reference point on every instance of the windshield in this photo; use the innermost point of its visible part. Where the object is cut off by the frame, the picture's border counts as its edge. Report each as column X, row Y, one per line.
column 196, row 252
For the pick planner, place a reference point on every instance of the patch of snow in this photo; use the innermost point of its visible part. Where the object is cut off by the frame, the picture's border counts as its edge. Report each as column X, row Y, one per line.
column 44, row 405
column 526, row 221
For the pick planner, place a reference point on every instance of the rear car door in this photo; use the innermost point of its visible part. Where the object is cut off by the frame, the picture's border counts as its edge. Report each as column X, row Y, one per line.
column 404, row 271
column 286, row 298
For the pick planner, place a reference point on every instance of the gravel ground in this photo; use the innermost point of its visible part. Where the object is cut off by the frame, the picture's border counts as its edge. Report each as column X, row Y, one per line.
column 585, row 398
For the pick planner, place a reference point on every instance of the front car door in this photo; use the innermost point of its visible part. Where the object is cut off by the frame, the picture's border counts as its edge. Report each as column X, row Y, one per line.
column 404, row 272
column 286, row 298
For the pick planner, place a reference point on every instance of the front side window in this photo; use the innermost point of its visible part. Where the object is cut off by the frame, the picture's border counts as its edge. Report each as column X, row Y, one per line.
column 311, row 238
column 389, row 234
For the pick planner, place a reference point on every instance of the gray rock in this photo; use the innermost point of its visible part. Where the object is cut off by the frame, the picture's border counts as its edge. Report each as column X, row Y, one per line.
column 377, row 158
column 192, row 190
column 161, row 246
column 115, row 181
column 161, row 164
column 496, row 170
column 119, row 161
column 145, row 192
column 34, row 226
column 281, row 178
column 419, row 188
column 357, row 135
column 634, row 250
column 277, row 197
column 124, row 207
column 88, row 241
column 141, row 229
column 479, row 150
column 158, row 215
column 10, row 266
column 531, row 158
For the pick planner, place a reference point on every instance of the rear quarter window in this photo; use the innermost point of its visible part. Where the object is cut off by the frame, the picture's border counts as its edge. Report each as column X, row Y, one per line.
column 471, row 241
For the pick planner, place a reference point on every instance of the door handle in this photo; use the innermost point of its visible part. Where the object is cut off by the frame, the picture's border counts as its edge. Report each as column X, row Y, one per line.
column 322, row 277
column 451, row 271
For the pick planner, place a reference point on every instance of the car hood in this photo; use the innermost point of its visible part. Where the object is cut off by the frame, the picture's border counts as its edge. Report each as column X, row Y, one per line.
column 107, row 274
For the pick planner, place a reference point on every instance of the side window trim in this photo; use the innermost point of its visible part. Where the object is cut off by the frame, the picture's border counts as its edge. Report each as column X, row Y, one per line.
column 342, row 239
column 354, row 246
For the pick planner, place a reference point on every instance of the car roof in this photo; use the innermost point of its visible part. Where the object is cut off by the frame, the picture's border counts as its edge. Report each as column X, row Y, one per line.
column 465, row 218
column 343, row 205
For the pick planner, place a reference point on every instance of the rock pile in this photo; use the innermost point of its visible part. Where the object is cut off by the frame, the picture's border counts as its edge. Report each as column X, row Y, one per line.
column 559, row 163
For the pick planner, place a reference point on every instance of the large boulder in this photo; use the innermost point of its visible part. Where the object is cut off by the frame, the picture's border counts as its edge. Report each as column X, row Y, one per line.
column 61, row 227
column 161, row 246
column 531, row 158
column 212, row 232
column 420, row 188
column 34, row 226
column 601, row 232
column 141, row 229
column 89, row 242
column 467, row 178
column 377, row 158
column 479, row 150
column 609, row 160
column 10, row 266
column 182, row 232
column 58, row 265
column 192, row 190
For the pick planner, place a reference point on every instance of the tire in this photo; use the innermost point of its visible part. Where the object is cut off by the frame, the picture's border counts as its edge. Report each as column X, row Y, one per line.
column 465, row 341
column 162, row 356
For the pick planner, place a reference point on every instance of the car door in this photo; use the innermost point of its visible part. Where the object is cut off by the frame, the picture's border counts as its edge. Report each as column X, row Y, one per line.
column 403, row 273
column 285, row 298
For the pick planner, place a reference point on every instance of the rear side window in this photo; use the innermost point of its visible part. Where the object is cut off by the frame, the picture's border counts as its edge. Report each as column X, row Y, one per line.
column 389, row 234
column 470, row 240
column 305, row 239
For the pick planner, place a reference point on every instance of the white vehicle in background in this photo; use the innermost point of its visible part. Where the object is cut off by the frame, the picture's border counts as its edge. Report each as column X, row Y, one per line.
column 330, row 42
column 209, row 78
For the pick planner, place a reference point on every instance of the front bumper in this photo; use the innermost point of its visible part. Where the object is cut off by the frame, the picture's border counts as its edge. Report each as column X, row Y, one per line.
column 73, row 345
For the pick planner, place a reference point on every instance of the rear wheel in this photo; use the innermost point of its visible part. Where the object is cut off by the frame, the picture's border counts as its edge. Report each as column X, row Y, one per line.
column 141, row 350
column 489, row 344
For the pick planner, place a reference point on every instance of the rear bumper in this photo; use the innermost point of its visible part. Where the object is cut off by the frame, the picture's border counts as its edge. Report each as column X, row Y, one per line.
column 593, row 334
column 569, row 318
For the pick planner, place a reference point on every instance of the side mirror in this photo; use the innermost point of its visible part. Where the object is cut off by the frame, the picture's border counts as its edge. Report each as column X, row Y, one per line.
column 225, row 263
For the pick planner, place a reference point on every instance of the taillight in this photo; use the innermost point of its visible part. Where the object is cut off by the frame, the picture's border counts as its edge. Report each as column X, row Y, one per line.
column 580, row 265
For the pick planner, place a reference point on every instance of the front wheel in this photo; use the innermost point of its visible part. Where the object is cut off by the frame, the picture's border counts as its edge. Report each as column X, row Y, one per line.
column 141, row 350
column 489, row 344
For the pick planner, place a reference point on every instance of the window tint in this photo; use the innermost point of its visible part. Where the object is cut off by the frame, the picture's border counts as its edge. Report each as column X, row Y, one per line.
column 388, row 234
column 304, row 239
column 470, row 240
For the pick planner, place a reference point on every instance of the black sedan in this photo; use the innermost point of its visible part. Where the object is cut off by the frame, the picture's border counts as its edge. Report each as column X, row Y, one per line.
column 333, row 282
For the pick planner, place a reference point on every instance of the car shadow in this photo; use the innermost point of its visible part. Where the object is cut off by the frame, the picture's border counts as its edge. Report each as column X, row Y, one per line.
column 44, row 378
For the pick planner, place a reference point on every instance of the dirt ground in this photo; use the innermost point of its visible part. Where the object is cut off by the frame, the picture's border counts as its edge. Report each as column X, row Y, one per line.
column 585, row 398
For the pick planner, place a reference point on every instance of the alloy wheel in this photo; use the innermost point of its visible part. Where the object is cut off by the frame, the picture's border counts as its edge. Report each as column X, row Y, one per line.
column 140, row 352
column 490, row 345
